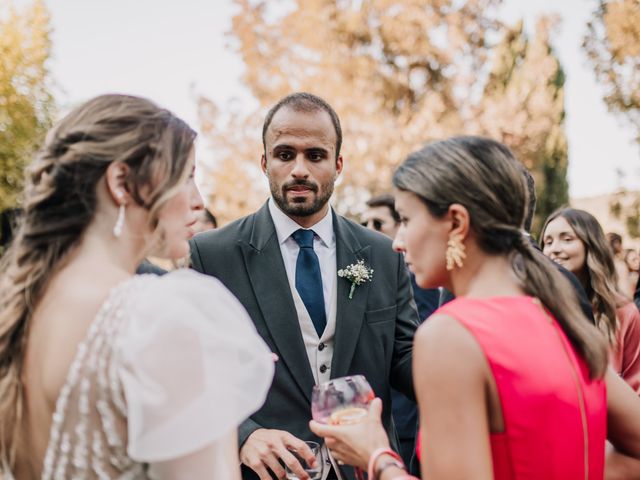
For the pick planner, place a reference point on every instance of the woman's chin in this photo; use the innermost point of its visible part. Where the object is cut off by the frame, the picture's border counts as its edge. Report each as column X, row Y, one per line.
column 174, row 252
column 426, row 283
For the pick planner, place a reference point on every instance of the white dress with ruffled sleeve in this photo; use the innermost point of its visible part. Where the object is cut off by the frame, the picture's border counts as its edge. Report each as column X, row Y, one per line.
column 170, row 367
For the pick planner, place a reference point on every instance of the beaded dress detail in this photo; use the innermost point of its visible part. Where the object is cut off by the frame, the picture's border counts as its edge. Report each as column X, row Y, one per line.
column 169, row 366
column 88, row 433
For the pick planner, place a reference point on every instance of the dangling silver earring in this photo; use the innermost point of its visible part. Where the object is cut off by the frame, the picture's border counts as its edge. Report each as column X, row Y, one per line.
column 117, row 228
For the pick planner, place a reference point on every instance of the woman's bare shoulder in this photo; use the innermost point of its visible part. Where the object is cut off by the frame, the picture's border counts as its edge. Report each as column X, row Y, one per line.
column 444, row 341
column 60, row 321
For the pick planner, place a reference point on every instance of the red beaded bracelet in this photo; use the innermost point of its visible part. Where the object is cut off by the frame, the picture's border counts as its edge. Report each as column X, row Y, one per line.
column 374, row 458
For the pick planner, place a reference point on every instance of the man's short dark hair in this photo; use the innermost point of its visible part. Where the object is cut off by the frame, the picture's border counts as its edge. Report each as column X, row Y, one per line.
column 385, row 200
column 303, row 102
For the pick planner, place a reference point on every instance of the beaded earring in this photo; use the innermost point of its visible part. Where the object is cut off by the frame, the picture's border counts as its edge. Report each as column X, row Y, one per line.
column 455, row 254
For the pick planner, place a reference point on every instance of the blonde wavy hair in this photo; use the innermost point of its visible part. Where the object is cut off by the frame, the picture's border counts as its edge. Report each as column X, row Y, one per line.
column 599, row 269
column 59, row 202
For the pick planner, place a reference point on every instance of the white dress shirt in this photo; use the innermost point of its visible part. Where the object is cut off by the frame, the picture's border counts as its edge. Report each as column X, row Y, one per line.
column 324, row 244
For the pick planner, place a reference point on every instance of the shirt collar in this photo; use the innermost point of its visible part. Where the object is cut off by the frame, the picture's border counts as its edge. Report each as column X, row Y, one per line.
column 285, row 226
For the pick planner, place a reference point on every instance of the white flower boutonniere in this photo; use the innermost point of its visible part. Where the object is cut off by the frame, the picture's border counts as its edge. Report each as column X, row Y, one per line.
column 357, row 274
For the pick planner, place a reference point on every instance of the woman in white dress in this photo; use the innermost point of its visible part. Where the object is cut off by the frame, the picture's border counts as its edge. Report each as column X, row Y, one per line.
column 104, row 374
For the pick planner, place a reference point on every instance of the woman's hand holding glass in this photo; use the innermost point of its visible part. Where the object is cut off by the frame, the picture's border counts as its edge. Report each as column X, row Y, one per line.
column 353, row 443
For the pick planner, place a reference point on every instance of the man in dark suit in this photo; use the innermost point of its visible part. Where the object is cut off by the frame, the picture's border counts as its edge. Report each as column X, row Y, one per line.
column 282, row 263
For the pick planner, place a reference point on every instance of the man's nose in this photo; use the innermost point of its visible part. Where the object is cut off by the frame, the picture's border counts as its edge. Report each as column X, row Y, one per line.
column 300, row 167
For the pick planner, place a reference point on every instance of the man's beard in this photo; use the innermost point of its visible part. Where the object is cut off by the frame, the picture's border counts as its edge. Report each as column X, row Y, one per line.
column 302, row 208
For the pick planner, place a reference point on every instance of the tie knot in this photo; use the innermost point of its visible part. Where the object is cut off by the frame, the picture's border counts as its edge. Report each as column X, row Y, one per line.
column 304, row 238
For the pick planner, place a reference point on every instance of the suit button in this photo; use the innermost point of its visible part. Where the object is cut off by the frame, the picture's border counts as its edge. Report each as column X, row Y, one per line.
column 321, row 346
column 323, row 368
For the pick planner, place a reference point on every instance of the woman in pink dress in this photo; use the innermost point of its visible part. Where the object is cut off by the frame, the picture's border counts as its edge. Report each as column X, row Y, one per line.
column 511, row 379
column 574, row 239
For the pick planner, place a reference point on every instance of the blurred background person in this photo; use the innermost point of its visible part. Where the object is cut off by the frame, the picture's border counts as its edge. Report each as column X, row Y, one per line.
column 632, row 259
column 382, row 217
column 205, row 220
column 581, row 295
column 574, row 239
column 622, row 270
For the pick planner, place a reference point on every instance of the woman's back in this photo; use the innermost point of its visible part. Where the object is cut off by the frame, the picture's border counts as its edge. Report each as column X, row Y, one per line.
column 141, row 381
column 58, row 325
column 554, row 415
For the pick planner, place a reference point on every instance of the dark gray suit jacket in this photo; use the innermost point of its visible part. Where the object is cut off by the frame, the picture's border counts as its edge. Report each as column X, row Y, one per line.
column 374, row 330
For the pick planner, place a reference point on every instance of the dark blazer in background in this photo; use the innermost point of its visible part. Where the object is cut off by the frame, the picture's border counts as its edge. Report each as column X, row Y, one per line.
column 374, row 330
column 147, row 267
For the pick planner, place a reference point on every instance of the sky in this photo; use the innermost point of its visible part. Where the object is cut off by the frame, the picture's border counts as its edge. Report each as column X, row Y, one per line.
column 170, row 51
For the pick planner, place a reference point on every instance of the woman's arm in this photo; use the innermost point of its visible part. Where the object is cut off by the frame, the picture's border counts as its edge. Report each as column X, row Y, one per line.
column 450, row 375
column 623, row 428
column 629, row 344
column 623, row 415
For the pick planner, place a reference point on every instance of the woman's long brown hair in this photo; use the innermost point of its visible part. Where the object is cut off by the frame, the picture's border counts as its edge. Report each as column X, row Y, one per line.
column 484, row 176
column 59, row 202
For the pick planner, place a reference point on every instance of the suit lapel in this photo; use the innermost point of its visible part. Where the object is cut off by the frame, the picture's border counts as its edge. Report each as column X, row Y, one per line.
column 349, row 312
column 268, row 277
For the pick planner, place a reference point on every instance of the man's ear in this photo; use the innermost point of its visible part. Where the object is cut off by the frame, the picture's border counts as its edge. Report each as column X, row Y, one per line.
column 460, row 220
column 263, row 163
column 339, row 164
column 116, row 177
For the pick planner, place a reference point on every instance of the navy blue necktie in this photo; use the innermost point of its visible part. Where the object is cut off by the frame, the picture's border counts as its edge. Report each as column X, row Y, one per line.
column 309, row 280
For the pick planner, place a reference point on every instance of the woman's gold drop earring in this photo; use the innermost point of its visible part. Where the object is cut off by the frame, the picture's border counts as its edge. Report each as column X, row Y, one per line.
column 455, row 254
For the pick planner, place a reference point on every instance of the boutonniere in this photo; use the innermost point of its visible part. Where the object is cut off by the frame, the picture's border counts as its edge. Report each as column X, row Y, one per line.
column 357, row 274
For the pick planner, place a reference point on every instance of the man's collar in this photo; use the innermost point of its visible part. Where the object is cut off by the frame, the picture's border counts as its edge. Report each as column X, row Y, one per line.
column 285, row 226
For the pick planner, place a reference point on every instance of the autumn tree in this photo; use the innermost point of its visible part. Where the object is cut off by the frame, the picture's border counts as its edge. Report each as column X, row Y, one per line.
column 26, row 102
column 523, row 106
column 399, row 74
column 612, row 44
column 238, row 186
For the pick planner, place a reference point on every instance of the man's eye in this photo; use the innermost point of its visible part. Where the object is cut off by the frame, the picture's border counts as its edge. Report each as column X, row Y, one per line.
column 316, row 156
column 285, row 155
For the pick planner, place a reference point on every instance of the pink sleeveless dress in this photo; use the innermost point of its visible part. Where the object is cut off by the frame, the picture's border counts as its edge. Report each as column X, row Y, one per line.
column 554, row 415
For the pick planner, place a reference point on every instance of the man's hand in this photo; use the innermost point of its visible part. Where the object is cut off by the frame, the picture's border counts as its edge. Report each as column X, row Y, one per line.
column 266, row 449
